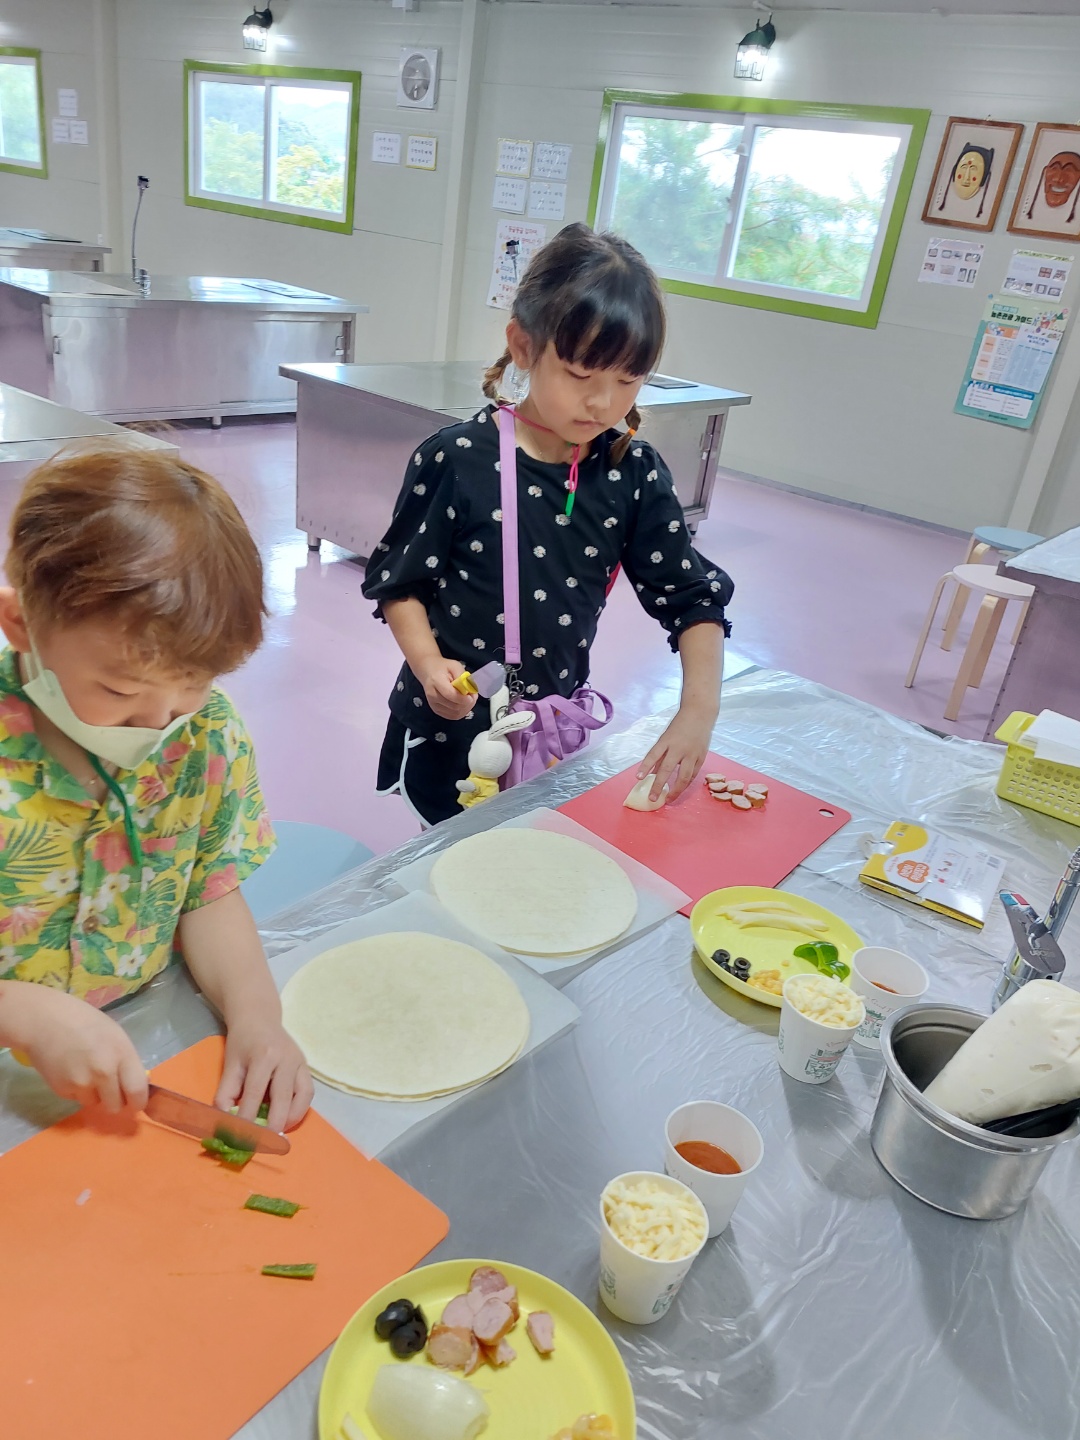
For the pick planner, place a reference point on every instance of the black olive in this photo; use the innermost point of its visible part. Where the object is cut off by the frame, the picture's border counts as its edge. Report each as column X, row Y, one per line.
column 409, row 1338
column 741, row 967
column 721, row 956
column 398, row 1312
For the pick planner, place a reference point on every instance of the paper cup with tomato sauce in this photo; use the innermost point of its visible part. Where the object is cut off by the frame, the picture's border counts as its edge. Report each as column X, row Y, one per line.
column 713, row 1150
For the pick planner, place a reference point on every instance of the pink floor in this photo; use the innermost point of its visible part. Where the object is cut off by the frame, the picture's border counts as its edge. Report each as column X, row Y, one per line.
column 829, row 592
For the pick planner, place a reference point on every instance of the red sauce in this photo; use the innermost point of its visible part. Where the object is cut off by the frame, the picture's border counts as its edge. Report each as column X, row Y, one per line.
column 704, row 1156
column 880, row 986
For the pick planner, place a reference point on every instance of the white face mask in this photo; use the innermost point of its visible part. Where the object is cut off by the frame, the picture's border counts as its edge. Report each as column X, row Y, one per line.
column 125, row 746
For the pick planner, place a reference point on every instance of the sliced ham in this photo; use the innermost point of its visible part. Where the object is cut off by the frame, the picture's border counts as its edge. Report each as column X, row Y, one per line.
column 451, row 1347
column 461, row 1311
column 499, row 1355
column 541, row 1331
column 494, row 1320
column 488, row 1280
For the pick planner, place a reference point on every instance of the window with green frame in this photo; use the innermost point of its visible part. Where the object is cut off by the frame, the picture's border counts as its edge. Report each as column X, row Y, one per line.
column 767, row 203
column 273, row 142
column 22, row 113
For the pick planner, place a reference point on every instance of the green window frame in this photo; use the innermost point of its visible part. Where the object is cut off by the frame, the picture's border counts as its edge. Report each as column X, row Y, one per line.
column 17, row 164
column 271, row 79
column 755, row 117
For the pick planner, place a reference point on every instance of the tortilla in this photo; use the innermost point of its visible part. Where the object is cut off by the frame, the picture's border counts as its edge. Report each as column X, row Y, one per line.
column 405, row 1016
column 535, row 891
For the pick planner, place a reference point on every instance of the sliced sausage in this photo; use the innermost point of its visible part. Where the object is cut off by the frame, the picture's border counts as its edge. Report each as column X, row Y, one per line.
column 499, row 1355
column 541, row 1331
column 450, row 1346
column 460, row 1312
column 509, row 1296
column 488, row 1280
column 494, row 1320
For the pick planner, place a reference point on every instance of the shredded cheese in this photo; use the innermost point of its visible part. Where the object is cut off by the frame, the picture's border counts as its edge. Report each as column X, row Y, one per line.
column 651, row 1220
column 824, row 999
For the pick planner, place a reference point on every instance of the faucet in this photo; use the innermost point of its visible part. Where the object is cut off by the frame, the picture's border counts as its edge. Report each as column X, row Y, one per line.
column 1038, row 956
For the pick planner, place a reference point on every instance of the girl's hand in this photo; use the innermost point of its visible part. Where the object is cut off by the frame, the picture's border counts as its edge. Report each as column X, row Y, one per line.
column 78, row 1051
column 261, row 1058
column 682, row 747
column 437, row 675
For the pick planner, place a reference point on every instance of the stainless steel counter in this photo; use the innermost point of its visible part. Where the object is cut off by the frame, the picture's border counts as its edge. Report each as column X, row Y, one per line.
column 357, row 425
column 182, row 346
column 836, row 1305
column 33, row 430
column 54, row 252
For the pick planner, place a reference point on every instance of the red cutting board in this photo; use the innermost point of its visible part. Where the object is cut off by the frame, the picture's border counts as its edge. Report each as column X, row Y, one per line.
column 701, row 844
column 142, row 1312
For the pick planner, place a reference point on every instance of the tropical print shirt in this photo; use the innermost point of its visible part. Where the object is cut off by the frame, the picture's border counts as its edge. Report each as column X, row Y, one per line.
column 76, row 910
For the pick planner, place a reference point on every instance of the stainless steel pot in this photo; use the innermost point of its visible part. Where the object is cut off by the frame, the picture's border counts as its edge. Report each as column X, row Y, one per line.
column 960, row 1168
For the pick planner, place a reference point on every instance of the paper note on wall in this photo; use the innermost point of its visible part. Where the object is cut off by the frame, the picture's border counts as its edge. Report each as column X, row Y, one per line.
column 509, row 194
column 514, row 157
column 61, row 132
column 547, row 200
column 516, row 242
column 79, row 131
column 67, row 102
column 550, row 162
column 1033, row 273
column 386, row 148
column 951, row 262
column 422, row 152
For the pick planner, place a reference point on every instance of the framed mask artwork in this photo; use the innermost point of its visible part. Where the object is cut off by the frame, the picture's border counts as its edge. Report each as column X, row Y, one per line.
column 1048, row 201
column 972, row 170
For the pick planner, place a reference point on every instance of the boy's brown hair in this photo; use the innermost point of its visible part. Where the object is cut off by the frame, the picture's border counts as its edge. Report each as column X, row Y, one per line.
column 140, row 538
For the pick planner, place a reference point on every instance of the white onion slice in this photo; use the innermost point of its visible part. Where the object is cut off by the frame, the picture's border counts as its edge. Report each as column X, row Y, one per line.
column 413, row 1402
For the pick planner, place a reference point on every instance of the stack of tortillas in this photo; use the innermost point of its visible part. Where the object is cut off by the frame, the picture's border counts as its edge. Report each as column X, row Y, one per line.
column 405, row 1016
column 535, row 891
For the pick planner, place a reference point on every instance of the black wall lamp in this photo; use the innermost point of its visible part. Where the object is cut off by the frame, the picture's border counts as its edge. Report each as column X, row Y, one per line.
column 753, row 51
column 256, row 28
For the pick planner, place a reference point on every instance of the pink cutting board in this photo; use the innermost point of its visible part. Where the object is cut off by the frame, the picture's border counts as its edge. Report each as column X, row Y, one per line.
column 701, row 844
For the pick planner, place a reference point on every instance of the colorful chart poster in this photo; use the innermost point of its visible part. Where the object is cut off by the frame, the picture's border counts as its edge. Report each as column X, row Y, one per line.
column 1014, row 349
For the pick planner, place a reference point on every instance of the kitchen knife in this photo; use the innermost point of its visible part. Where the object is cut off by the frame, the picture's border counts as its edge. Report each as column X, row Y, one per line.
column 192, row 1117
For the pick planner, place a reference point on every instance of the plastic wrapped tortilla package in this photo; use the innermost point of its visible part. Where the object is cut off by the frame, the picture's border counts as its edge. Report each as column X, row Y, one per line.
column 1026, row 1056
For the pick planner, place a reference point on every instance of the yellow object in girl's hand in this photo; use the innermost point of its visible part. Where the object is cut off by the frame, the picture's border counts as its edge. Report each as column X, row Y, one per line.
column 22, row 1057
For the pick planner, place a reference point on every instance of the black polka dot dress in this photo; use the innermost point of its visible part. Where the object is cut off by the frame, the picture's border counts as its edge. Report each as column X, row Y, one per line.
column 444, row 548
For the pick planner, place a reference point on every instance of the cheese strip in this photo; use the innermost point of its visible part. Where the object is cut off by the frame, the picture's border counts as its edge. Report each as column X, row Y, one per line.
column 653, row 1221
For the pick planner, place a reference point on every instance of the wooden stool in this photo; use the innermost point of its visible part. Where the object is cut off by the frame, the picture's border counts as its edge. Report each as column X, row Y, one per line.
column 985, row 538
column 997, row 591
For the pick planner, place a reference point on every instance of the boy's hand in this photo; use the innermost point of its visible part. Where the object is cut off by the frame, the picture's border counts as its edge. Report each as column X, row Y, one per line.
column 260, row 1059
column 81, row 1053
column 437, row 675
column 683, row 747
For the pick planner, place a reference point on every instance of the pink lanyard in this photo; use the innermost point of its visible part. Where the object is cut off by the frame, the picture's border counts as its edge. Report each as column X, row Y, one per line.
column 509, row 495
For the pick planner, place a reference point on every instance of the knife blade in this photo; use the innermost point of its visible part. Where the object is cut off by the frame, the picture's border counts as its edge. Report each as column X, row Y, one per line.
column 205, row 1122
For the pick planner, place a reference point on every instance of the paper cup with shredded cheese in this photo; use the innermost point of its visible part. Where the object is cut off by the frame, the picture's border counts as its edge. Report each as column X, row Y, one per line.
column 652, row 1228
column 818, row 1017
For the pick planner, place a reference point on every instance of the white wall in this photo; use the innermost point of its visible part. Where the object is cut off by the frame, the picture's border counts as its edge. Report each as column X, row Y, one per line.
column 391, row 261
column 861, row 415
column 69, row 201
column 864, row 415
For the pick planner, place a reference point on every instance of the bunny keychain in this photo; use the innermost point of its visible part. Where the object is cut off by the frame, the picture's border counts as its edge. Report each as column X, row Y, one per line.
column 490, row 754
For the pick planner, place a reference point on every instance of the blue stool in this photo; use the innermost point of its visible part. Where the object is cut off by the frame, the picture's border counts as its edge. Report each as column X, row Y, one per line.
column 307, row 858
column 985, row 538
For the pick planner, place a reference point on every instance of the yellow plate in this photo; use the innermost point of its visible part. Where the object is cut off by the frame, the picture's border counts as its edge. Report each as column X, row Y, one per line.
column 764, row 947
column 532, row 1396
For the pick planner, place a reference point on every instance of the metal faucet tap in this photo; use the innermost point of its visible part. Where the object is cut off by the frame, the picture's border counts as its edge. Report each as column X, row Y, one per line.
column 1038, row 956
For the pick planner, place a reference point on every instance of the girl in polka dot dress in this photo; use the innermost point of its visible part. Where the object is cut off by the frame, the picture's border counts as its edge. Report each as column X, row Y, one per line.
column 587, row 327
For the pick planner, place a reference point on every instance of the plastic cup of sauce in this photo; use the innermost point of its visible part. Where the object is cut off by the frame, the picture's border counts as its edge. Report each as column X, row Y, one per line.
column 886, row 980
column 714, row 1150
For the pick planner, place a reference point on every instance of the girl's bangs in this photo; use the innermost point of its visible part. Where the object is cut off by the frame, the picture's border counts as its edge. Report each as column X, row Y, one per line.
column 611, row 332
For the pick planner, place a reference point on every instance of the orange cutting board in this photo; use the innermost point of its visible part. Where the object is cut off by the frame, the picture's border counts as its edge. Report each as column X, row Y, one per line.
column 701, row 844
column 141, row 1312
